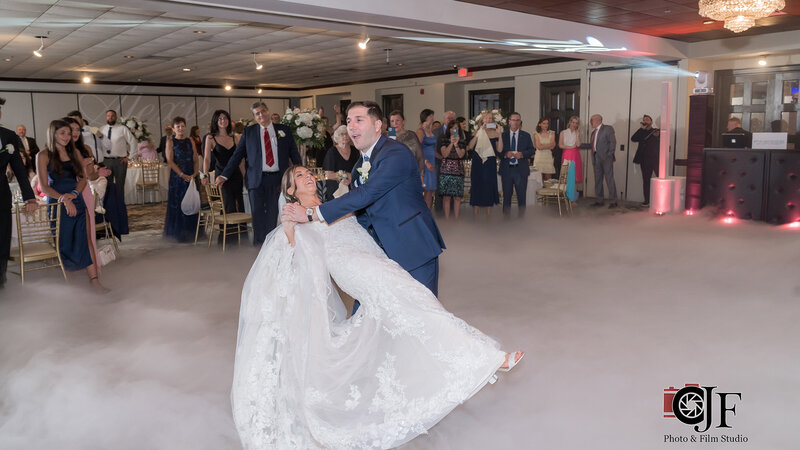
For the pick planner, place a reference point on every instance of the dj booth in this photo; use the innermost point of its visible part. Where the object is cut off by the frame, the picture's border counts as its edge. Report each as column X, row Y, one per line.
column 753, row 184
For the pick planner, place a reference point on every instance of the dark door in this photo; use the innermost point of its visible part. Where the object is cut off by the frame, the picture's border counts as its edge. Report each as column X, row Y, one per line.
column 502, row 99
column 560, row 100
column 392, row 102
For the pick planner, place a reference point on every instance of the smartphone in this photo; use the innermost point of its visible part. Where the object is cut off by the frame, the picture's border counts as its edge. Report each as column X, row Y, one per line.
column 455, row 133
column 392, row 132
column 491, row 125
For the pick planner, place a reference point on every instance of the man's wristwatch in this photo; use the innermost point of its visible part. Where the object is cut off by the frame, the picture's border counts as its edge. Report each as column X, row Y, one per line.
column 310, row 214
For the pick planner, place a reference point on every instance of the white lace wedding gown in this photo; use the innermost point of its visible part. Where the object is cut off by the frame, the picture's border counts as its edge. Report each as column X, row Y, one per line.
column 307, row 378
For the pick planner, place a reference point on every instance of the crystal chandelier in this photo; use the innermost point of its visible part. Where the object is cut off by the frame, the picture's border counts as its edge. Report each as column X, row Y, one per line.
column 739, row 15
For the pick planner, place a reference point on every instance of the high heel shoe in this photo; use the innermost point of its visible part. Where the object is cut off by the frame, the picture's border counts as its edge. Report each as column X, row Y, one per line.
column 512, row 363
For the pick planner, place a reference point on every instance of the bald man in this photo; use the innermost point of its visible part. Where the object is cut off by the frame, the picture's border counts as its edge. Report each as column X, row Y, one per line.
column 28, row 143
column 604, row 143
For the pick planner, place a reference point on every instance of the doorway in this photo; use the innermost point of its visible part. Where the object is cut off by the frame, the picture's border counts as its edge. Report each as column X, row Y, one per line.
column 560, row 101
column 487, row 100
column 392, row 102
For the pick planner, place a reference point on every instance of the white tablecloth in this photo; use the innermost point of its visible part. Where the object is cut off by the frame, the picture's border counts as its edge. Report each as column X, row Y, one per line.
column 534, row 183
column 134, row 175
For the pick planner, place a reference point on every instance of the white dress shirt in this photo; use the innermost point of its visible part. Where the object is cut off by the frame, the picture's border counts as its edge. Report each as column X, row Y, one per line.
column 368, row 154
column 25, row 143
column 594, row 142
column 273, row 138
column 122, row 143
column 90, row 140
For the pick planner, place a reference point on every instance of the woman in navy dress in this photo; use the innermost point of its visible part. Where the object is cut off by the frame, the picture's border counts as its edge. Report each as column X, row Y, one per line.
column 483, row 191
column 183, row 163
column 61, row 177
column 428, row 140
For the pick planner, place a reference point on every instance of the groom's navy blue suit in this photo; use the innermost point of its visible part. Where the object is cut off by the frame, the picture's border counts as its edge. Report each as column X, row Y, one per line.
column 390, row 206
column 263, row 188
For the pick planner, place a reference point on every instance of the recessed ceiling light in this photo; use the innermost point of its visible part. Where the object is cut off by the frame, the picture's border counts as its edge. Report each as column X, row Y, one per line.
column 259, row 90
column 667, row 11
column 199, row 32
column 708, row 22
column 186, row 69
column 399, row 64
column 87, row 80
column 128, row 56
column 228, row 87
column 7, row 59
column 762, row 62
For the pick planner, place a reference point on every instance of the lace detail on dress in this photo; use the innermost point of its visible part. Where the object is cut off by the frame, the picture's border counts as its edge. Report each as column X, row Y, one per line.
column 306, row 378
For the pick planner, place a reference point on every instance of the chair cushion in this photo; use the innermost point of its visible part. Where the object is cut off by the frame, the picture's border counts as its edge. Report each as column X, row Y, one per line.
column 238, row 217
column 36, row 251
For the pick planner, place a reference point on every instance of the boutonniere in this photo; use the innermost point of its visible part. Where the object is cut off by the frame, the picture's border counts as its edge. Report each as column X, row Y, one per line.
column 9, row 148
column 364, row 170
column 281, row 133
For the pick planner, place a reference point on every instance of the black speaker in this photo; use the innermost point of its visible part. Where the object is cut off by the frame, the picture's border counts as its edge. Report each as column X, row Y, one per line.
column 733, row 182
column 783, row 188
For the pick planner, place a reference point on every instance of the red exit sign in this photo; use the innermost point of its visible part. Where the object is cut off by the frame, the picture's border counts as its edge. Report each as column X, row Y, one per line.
column 462, row 72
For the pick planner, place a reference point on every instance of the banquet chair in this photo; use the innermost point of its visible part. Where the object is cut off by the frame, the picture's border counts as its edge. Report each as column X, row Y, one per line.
column 38, row 238
column 150, row 181
column 557, row 192
column 105, row 227
column 203, row 220
column 226, row 223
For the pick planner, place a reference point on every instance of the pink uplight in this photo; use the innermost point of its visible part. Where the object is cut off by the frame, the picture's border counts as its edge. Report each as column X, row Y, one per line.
column 689, row 212
column 793, row 225
column 729, row 220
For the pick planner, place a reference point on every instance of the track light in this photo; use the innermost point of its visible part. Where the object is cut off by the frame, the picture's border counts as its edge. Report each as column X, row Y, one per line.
column 258, row 66
column 259, row 90
column 38, row 52
column 363, row 44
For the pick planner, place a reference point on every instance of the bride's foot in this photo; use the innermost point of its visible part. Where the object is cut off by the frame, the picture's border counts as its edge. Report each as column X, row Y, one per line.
column 508, row 365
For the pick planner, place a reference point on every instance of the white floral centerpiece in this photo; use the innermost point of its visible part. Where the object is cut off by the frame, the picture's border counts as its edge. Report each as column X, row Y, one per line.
column 307, row 127
column 246, row 122
column 475, row 123
column 137, row 128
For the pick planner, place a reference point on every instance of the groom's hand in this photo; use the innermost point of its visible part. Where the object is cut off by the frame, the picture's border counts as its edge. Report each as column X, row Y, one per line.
column 295, row 213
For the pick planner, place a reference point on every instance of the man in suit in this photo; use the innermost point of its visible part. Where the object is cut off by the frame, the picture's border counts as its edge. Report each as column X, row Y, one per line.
column 270, row 149
column 514, row 171
column 10, row 146
column 649, row 140
column 604, row 142
column 162, row 145
column 28, row 143
column 386, row 197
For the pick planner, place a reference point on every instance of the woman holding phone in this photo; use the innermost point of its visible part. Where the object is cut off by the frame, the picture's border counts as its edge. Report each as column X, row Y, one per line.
column 452, row 148
column 487, row 145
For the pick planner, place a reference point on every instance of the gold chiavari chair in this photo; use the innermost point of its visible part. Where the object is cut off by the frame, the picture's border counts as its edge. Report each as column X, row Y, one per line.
column 151, row 174
column 226, row 223
column 38, row 238
column 557, row 191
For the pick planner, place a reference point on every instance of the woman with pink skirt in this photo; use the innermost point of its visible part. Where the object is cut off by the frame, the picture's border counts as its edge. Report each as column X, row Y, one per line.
column 570, row 143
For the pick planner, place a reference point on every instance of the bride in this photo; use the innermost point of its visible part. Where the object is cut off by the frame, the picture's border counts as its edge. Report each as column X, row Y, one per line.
column 308, row 377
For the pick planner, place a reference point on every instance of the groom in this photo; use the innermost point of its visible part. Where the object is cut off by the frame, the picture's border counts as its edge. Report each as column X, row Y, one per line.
column 387, row 198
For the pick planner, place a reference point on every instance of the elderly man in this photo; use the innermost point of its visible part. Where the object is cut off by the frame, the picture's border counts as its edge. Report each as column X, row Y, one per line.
column 604, row 142
column 28, row 143
column 117, row 145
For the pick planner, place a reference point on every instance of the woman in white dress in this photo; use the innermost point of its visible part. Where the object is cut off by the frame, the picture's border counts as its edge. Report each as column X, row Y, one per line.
column 544, row 142
column 306, row 377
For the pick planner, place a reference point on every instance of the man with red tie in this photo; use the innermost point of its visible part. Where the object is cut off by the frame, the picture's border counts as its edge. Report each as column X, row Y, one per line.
column 269, row 149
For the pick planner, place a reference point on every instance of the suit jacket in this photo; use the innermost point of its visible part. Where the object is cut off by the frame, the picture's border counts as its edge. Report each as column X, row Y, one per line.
column 606, row 142
column 250, row 146
column 524, row 146
column 162, row 146
column 391, row 207
column 649, row 146
column 15, row 160
column 34, row 148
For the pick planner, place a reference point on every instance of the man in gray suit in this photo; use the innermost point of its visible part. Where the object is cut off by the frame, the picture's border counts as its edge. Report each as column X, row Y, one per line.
column 603, row 145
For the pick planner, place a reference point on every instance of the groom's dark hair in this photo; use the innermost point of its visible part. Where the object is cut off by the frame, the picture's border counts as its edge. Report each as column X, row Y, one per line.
column 373, row 109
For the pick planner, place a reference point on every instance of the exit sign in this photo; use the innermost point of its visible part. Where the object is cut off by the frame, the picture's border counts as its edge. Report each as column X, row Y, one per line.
column 462, row 72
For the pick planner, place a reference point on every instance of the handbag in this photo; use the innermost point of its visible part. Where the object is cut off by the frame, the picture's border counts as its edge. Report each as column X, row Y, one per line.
column 105, row 255
column 190, row 205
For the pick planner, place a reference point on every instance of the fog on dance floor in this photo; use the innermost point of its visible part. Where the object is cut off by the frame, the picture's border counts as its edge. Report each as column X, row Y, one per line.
column 611, row 308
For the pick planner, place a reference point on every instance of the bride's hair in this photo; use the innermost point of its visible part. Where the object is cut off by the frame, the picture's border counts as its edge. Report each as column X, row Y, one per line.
column 287, row 182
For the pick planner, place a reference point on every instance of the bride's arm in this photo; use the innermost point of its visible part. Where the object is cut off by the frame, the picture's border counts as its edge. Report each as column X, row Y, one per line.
column 288, row 228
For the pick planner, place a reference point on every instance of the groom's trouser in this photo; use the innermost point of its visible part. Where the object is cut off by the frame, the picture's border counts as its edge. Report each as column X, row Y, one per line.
column 427, row 274
column 264, row 205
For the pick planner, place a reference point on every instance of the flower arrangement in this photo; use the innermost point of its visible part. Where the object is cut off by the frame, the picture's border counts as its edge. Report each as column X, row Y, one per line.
column 137, row 128
column 246, row 122
column 475, row 123
column 306, row 126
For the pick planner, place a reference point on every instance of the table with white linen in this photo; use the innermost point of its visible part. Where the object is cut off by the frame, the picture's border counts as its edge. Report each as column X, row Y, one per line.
column 134, row 176
column 534, row 183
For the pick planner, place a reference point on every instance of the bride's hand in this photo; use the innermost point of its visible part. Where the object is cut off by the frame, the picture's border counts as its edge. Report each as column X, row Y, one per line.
column 288, row 228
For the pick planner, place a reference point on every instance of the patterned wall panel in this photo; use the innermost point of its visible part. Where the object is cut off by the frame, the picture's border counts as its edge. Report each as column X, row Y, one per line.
column 783, row 188
column 733, row 181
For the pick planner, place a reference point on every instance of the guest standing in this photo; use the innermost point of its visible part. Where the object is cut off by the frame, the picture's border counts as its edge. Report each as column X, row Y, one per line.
column 269, row 148
column 220, row 144
column 28, row 143
column 604, row 143
column 61, row 176
column 162, row 145
column 514, row 170
column 89, row 138
column 117, row 145
column 407, row 137
column 91, row 175
column 194, row 135
column 10, row 155
column 649, row 140
column 428, row 139
column 544, row 141
column 487, row 145
column 570, row 142
column 183, row 163
column 341, row 157
column 452, row 148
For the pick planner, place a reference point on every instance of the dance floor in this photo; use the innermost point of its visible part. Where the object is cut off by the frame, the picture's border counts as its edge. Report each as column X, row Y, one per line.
column 612, row 309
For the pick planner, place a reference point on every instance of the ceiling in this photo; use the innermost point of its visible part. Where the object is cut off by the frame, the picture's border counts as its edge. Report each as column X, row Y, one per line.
column 128, row 45
column 672, row 19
